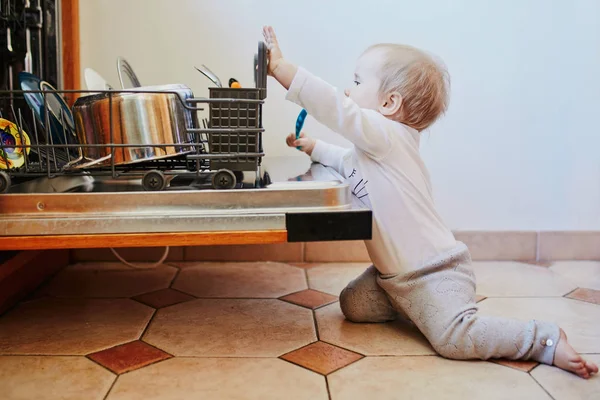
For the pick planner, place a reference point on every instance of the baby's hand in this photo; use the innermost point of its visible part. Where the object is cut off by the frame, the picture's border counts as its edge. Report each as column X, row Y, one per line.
column 305, row 143
column 274, row 52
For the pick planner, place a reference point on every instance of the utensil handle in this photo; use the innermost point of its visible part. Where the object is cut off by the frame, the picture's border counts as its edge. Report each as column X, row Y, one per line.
column 300, row 123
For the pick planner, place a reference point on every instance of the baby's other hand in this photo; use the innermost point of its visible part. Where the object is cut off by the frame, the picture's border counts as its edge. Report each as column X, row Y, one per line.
column 305, row 143
column 274, row 52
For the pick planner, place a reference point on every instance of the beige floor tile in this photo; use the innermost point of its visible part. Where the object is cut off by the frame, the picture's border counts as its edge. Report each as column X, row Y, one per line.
column 500, row 245
column 108, row 280
column 585, row 274
column 506, row 279
column 343, row 251
column 51, row 378
column 240, row 280
column 231, row 328
column 394, row 338
column 565, row 386
column 52, row 326
column 332, row 278
column 210, row 378
column 407, row 378
column 578, row 319
column 569, row 245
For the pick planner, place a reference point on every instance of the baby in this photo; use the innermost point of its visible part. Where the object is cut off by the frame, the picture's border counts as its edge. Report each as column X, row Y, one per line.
column 420, row 271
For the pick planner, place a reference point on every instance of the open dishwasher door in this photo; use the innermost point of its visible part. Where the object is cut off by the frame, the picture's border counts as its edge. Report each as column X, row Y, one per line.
column 85, row 212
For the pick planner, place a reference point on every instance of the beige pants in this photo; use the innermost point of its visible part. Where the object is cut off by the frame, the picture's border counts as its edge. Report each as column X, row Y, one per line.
column 439, row 299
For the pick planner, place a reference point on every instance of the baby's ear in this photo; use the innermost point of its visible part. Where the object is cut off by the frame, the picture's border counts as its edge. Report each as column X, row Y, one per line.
column 391, row 105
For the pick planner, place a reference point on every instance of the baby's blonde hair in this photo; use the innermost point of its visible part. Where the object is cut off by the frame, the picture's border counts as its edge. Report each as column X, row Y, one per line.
column 423, row 83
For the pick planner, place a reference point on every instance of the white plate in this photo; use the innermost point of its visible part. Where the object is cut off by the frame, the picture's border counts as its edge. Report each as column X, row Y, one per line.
column 94, row 81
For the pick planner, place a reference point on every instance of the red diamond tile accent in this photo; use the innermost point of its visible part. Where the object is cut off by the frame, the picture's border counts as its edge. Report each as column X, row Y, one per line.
column 322, row 357
column 587, row 295
column 128, row 356
column 524, row 366
column 163, row 298
column 309, row 298
column 479, row 297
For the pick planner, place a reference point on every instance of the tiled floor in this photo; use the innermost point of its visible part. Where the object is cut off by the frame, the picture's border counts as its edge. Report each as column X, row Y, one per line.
column 271, row 331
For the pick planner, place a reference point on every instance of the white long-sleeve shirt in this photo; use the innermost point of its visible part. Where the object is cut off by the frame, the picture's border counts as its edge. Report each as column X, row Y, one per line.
column 385, row 172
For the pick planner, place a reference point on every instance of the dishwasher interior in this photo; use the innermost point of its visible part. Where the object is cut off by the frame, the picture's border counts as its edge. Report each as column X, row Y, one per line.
column 141, row 159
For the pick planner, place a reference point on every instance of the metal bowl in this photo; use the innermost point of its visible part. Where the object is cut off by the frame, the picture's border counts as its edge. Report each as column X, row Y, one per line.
column 153, row 117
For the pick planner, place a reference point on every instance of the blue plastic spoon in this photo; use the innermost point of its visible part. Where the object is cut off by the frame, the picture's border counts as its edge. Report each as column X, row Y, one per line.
column 300, row 124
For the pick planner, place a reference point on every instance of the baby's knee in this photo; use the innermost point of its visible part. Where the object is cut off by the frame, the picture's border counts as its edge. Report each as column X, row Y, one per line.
column 366, row 306
column 449, row 350
column 351, row 306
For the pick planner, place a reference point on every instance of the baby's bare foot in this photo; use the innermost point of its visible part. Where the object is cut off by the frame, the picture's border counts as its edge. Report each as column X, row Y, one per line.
column 568, row 359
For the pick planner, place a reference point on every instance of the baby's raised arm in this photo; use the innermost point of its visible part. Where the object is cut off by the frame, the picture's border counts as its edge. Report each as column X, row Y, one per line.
column 366, row 129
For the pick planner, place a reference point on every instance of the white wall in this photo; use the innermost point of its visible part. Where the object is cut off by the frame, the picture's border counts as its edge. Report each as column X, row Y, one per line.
column 520, row 145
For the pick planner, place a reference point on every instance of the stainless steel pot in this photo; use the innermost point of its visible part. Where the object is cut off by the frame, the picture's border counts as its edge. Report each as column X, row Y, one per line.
column 150, row 119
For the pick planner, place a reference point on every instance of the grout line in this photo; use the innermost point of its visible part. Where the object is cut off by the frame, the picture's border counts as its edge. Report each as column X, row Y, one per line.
column 316, row 325
column 289, row 294
column 327, row 387
column 40, row 355
column 59, row 297
column 305, row 279
column 102, row 366
column 528, row 297
column 179, row 291
column 347, row 349
column 159, row 349
column 175, row 276
column 299, row 348
column 540, row 385
column 325, row 305
column 172, row 264
column 147, row 365
column 111, row 387
column 398, row 356
column 306, row 307
column 571, row 292
column 148, row 326
column 237, row 357
column 233, row 298
column 529, row 372
column 301, row 366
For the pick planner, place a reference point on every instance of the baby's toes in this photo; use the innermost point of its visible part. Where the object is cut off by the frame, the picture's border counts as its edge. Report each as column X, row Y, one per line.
column 583, row 372
column 591, row 367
